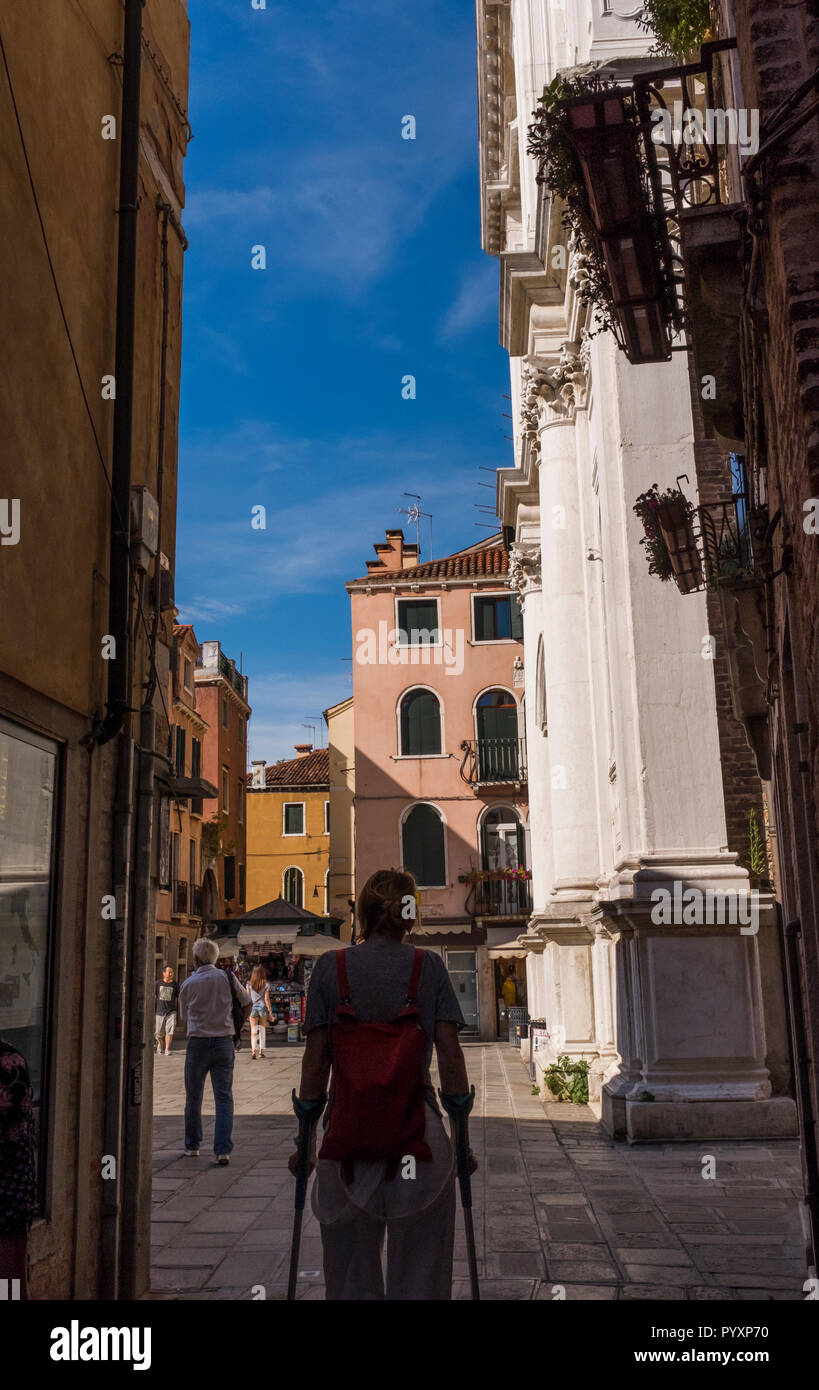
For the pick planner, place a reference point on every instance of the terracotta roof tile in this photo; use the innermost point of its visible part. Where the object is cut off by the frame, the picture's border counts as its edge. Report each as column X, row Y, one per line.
column 466, row 564
column 313, row 770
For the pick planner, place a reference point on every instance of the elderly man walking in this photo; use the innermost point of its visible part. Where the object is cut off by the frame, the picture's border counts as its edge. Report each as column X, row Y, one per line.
column 206, row 1007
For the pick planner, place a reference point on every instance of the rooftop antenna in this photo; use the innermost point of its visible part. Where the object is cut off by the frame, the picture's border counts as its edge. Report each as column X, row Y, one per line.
column 414, row 513
column 319, row 722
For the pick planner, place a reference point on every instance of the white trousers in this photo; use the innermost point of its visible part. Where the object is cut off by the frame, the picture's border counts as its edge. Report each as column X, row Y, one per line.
column 419, row 1254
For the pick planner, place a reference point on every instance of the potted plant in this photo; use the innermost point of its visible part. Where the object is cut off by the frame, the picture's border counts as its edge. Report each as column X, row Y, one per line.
column 681, row 27
column 669, row 540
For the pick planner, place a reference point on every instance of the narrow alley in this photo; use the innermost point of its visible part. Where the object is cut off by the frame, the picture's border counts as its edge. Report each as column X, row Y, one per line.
column 560, row 1210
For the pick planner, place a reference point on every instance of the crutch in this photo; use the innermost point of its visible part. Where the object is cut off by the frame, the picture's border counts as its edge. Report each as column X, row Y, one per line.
column 458, row 1108
column 308, row 1113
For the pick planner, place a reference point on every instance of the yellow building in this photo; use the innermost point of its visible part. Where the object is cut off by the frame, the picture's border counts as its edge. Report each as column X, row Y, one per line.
column 341, row 741
column 288, row 831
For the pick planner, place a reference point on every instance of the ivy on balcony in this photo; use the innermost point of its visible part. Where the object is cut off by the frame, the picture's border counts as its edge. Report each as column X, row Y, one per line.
column 680, row 27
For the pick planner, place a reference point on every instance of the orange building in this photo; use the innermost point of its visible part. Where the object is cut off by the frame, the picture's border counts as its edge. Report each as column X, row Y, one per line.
column 221, row 700
column 288, row 831
column 184, row 900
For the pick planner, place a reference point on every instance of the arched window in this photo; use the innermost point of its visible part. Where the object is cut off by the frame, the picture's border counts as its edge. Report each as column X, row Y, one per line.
column 540, row 689
column 497, row 721
column 294, row 886
column 420, row 723
column 503, row 850
column 422, row 846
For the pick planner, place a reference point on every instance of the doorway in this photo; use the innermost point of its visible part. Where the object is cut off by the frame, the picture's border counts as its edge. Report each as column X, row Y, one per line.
column 462, row 970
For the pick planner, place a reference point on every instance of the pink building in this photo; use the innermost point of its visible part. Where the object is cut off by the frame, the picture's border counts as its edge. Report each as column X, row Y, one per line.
column 440, row 754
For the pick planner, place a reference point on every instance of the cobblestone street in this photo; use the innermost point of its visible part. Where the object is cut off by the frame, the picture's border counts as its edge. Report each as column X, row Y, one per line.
column 556, row 1202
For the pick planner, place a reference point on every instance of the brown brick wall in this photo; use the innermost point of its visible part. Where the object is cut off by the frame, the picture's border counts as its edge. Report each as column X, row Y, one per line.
column 742, row 788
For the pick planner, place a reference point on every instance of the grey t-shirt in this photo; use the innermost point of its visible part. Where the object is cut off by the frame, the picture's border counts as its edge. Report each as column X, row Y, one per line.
column 379, row 973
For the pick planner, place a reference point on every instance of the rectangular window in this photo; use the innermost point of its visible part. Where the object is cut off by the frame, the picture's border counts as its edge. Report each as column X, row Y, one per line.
column 498, row 618
column 164, row 842
column 180, row 752
column 225, row 715
column 230, row 876
column 28, row 792
column 225, row 789
column 418, row 621
column 241, row 729
column 241, row 885
column 176, row 849
column 188, row 677
column 294, row 817
column 327, row 818
column 196, row 758
column 240, row 801
column 192, row 877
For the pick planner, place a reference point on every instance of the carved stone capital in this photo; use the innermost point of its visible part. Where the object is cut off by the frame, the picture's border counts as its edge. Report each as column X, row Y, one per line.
column 552, row 391
column 524, row 570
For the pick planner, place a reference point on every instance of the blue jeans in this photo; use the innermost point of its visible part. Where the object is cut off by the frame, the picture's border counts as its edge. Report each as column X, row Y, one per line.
column 214, row 1055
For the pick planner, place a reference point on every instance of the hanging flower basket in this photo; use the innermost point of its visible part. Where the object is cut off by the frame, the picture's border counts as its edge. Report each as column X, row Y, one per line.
column 669, row 539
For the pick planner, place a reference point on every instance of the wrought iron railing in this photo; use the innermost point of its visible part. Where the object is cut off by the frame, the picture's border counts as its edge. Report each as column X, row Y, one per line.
column 493, row 761
column 502, row 898
column 180, row 896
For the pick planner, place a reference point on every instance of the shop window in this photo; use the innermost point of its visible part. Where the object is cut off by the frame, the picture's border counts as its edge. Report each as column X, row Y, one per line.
column 420, row 724
column 28, row 788
column 422, row 846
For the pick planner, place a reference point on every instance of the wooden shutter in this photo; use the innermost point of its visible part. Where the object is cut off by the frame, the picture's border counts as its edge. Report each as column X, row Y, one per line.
column 423, row 846
column 420, row 723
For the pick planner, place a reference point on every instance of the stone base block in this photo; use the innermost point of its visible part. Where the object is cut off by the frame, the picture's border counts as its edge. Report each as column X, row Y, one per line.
column 651, row 1122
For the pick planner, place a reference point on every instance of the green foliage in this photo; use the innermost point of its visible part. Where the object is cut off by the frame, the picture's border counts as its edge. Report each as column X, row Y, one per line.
column 680, row 26
column 568, row 1080
column 550, row 144
column 757, row 856
column 647, row 507
column 535, row 1090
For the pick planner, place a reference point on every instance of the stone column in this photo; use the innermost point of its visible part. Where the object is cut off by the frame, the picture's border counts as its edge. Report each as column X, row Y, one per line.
column 555, row 392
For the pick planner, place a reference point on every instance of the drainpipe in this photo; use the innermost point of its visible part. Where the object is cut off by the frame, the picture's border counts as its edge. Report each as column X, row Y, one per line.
column 119, row 577
column 118, row 703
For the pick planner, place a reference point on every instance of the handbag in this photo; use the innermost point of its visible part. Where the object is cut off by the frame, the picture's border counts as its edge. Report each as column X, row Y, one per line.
column 239, row 1011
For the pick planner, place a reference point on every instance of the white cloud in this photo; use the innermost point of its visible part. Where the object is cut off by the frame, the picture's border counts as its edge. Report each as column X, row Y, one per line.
column 475, row 303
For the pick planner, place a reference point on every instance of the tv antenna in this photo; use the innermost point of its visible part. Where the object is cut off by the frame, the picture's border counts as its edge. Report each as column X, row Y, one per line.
column 414, row 514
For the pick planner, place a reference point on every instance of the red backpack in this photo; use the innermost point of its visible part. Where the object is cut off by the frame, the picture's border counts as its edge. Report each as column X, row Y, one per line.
column 378, row 1109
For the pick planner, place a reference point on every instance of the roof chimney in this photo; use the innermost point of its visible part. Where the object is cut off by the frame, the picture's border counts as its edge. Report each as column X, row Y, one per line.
column 303, row 749
column 394, row 553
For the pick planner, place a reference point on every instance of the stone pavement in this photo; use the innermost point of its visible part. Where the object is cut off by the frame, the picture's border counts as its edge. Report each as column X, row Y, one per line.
column 560, row 1209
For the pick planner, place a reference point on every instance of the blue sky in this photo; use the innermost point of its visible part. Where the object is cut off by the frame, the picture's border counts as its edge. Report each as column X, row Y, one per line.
column 291, row 376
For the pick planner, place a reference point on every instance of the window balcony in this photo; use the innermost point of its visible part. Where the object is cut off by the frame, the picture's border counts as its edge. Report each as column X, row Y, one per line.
column 494, row 762
column 498, row 896
column 180, row 898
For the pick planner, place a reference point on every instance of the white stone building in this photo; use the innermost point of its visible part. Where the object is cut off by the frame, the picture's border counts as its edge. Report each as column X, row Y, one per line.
column 683, row 1024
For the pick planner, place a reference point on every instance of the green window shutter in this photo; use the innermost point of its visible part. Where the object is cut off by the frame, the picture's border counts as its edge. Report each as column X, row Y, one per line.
column 416, row 617
column 484, row 619
column 517, row 618
column 420, row 724
column 423, row 846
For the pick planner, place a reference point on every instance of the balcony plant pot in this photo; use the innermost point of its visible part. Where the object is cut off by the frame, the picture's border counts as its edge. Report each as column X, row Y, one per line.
column 674, row 518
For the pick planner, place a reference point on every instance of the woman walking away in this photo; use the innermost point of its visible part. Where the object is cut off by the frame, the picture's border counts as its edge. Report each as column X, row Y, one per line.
column 260, row 1011
column 386, row 1164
